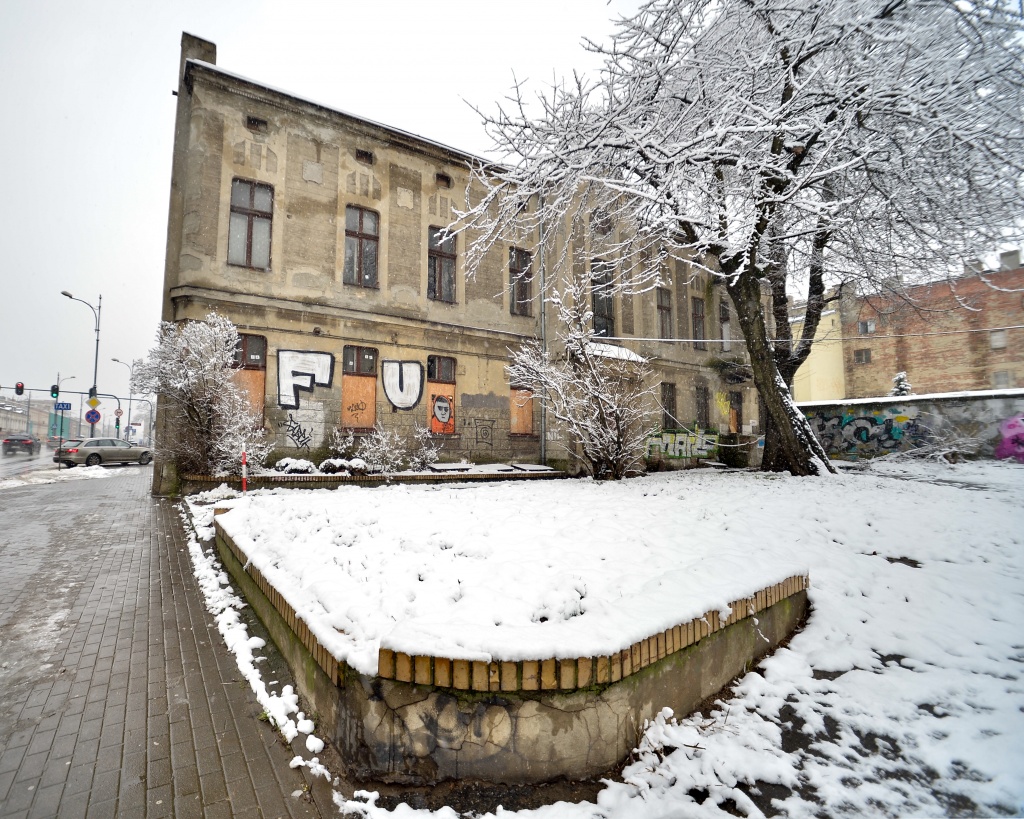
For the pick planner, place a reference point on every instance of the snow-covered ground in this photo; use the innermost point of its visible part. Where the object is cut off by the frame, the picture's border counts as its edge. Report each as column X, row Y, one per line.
column 50, row 474
column 902, row 696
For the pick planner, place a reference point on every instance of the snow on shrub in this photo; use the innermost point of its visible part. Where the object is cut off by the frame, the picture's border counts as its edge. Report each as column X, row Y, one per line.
column 295, row 466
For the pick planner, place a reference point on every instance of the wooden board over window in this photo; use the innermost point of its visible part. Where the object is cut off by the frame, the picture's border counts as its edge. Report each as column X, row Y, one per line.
column 358, row 401
column 521, row 412
column 441, row 408
column 254, row 382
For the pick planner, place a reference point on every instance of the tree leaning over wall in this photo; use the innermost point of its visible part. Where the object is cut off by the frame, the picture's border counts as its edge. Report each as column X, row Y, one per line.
column 777, row 147
column 209, row 419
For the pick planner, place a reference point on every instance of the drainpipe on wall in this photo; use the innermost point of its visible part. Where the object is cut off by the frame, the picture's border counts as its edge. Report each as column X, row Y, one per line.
column 543, row 340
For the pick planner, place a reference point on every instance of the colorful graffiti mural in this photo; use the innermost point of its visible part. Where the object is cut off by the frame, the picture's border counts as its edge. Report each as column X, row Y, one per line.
column 875, row 431
column 683, row 444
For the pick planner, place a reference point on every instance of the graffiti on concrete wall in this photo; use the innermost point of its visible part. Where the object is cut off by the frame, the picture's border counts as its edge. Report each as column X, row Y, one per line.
column 682, row 445
column 1012, row 434
column 301, row 371
column 403, row 383
column 299, row 435
column 876, row 431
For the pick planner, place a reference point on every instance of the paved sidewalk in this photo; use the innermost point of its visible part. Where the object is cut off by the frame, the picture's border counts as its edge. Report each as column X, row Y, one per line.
column 117, row 696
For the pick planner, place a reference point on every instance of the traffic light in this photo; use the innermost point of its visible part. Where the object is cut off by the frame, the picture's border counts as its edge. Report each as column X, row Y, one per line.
column 55, row 391
column 92, row 392
column 19, row 389
column 117, row 424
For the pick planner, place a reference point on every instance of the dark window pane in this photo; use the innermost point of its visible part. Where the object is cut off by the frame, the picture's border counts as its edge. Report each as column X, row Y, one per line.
column 238, row 229
column 240, row 192
column 352, row 219
column 369, row 262
column 262, row 199
column 349, row 275
column 369, row 222
column 260, row 243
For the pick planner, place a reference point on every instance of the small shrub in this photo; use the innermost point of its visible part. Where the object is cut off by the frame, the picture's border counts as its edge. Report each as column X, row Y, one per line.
column 425, row 449
column 383, row 450
column 334, row 466
column 295, row 466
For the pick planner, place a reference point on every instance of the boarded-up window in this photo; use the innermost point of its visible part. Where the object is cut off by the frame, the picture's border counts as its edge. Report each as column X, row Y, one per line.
column 441, row 394
column 521, row 412
column 251, row 359
column 359, row 388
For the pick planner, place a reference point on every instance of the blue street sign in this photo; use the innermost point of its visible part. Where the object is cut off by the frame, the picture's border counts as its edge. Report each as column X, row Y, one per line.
column 62, row 406
column 92, row 417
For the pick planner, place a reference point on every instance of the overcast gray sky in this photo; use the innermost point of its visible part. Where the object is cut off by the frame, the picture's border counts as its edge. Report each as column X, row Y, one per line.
column 88, row 121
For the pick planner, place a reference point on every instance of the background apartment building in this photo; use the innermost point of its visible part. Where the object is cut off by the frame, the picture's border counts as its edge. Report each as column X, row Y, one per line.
column 321, row 235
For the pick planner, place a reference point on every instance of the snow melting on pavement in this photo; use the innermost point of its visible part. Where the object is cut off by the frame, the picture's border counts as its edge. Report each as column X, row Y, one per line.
column 53, row 475
column 902, row 696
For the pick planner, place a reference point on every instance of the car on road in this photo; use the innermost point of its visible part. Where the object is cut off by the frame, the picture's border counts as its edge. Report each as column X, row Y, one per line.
column 96, row 451
column 19, row 442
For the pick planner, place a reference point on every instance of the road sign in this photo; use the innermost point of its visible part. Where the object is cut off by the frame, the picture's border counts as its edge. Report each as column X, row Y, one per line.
column 93, row 402
column 92, row 417
column 62, row 406
column 118, row 412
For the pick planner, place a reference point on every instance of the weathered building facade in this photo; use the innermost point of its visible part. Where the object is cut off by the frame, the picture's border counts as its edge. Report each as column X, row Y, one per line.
column 321, row 236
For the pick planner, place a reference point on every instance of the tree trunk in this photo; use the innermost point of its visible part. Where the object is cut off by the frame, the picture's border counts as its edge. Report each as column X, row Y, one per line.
column 798, row 451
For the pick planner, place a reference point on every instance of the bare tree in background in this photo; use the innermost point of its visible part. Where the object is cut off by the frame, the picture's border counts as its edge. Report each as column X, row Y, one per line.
column 210, row 419
column 778, row 146
column 600, row 393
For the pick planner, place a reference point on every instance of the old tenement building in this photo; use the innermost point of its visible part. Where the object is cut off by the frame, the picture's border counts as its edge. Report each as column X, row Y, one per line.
column 319, row 234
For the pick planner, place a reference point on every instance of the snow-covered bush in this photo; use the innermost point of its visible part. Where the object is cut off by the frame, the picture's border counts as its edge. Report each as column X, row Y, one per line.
column 383, row 450
column 295, row 466
column 342, row 443
column 207, row 420
column 425, row 449
column 334, row 466
column 900, row 385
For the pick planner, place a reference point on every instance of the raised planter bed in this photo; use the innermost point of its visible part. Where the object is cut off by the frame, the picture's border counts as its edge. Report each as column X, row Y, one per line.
column 423, row 719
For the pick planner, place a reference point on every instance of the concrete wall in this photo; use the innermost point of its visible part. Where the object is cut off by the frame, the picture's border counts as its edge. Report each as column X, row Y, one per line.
column 875, row 426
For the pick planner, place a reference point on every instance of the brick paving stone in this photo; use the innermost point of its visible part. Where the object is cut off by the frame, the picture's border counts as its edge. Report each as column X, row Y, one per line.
column 120, row 698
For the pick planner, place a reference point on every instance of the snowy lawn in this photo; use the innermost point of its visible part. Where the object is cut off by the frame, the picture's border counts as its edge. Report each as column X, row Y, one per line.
column 902, row 696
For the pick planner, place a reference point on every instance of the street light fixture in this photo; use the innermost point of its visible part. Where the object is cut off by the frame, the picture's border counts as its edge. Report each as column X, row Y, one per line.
column 131, row 380
column 96, row 360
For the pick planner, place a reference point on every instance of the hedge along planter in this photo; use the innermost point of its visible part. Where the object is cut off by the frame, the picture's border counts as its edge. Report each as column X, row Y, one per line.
column 423, row 719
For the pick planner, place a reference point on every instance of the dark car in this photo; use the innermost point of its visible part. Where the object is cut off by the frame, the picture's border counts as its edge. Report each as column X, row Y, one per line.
column 96, row 451
column 20, row 442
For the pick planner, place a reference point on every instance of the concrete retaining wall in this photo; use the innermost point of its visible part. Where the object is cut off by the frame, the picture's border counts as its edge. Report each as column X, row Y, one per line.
column 867, row 427
column 423, row 720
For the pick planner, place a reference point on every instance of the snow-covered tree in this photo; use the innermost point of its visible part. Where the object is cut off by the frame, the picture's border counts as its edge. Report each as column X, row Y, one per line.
column 778, row 146
column 900, row 385
column 600, row 393
column 209, row 418
column 383, row 449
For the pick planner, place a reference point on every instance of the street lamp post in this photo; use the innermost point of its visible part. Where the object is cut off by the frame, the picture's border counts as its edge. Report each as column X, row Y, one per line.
column 96, row 360
column 131, row 379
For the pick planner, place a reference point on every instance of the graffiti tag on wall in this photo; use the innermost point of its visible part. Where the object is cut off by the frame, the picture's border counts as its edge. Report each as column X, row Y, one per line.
column 403, row 383
column 299, row 435
column 682, row 445
column 878, row 432
column 299, row 371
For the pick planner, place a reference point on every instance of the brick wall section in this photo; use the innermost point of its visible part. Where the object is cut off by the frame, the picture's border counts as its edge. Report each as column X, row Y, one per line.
column 552, row 674
column 942, row 341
